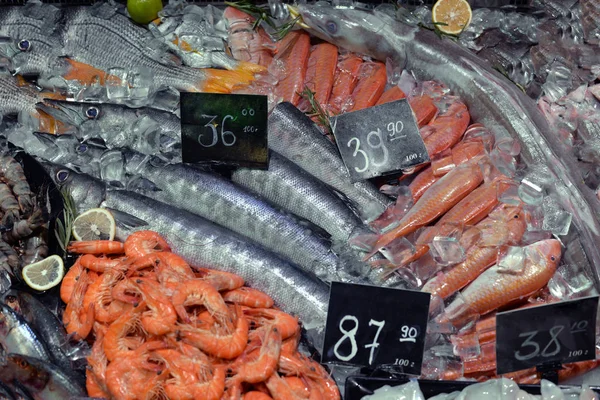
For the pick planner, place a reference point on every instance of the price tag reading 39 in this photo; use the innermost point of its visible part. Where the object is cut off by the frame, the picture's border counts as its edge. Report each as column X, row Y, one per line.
column 562, row 332
column 227, row 129
column 379, row 140
column 370, row 326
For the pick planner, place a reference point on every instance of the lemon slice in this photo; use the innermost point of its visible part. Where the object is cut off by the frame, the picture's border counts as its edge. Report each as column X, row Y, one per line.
column 94, row 224
column 452, row 16
column 45, row 274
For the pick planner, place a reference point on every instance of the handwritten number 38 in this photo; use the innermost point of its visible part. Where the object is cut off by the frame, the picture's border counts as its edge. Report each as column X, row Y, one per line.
column 553, row 344
column 378, row 145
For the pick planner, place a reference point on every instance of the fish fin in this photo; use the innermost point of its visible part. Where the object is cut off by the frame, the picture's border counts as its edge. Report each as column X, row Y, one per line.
column 126, row 220
column 141, row 184
column 84, row 73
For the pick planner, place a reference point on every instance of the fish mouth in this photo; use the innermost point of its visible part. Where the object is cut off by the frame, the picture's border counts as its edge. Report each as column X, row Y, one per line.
column 295, row 14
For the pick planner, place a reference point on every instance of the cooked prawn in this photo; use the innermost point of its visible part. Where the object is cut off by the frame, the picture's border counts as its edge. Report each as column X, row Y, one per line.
column 96, row 247
column 69, row 281
column 140, row 243
column 221, row 280
column 286, row 324
column 99, row 264
column 77, row 319
column 114, row 344
column 197, row 292
column 254, row 395
column 265, row 364
column 248, row 297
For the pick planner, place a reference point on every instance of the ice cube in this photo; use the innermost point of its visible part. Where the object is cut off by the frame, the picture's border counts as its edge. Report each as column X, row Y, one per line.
column 531, row 192
column 117, row 87
column 363, row 242
column 509, row 195
column 466, row 346
column 398, row 251
column 511, row 260
column 446, row 250
column 140, row 82
column 556, row 220
column 530, row 237
column 534, row 217
column 112, row 166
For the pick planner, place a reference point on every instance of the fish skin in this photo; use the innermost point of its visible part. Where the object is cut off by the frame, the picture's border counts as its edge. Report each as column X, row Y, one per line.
column 293, row 58
column 321, row 71
column 344, row 82
column 494, row 288
column 444, row 194
column 50, row 328
column 422, row 182
column 224, row 203
column 16, row 336
column 6, row 392
column 491, row 99
column 204, row 244
column 447, row 129
column 392, row 94
column 42, row 379
column 287, row 186
column 370, row 87
column 16, row 99
column 294, row 136
column 478, row 258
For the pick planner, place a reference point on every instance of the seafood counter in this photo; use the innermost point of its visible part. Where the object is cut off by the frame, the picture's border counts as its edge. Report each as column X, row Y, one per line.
column 131, row 274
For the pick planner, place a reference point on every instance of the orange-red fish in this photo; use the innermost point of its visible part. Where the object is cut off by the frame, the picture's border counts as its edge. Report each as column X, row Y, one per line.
column 344, row 82
column 291, row 63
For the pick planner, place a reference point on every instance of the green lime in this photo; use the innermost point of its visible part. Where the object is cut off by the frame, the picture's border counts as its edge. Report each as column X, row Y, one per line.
column 144, row 11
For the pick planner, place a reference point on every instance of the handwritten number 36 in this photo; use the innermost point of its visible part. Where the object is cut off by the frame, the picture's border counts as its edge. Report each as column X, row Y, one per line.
column 378, row 145
column 215, row 135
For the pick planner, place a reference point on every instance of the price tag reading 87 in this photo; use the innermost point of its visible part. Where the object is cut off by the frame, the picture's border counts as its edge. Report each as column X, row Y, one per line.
column 369, row 326
column 379, row 140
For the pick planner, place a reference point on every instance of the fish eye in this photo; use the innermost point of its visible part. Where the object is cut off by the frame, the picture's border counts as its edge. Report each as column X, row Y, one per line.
column 552, row 258
column 92, row 112
column 331, row 27
column 516, row 216
column 82, row 148
column 62, row 175
column 24, row 45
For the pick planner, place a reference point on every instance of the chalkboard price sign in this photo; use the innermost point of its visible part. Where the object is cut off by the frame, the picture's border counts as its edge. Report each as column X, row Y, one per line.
column 371, row 326
column 379, row 140
column 227, row 129
column 562, row 332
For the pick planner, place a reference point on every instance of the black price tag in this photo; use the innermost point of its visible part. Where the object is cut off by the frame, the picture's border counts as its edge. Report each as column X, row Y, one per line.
column 371, row 326
column 229, row 129
column 562, row 332
column 379, row 140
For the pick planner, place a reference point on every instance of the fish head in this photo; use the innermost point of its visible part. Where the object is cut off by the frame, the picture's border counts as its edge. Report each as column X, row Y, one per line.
column 357, row 30
column 8, row 320
column 87, row 192
column 549, row 250
column 26, row 371
column 69, row 150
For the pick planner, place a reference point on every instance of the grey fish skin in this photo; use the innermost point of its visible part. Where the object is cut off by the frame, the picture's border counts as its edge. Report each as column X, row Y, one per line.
column 287, row 186
column 46, row 324
column 204, row 244
column 43, row 380
column 222, row 202
column 492, row 100
column 16, row 336
column 293, row 135
column 6, row 392
column 15, row 99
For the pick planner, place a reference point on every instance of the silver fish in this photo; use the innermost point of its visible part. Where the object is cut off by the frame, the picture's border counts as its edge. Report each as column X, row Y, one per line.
column 42, row 379
column 289, row 187
column 293, row 135
column 15, row 99
column 203, row 243
column 16, row 336
column 492, row 100
column 147, row 130
column 47, row 325
column 220, row 201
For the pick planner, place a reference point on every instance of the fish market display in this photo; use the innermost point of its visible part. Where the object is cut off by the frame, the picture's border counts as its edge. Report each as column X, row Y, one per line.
column 217, row 282
column 141, row 302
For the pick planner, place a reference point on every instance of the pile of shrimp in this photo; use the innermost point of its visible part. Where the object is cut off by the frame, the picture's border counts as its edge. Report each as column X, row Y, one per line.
column 161, row 329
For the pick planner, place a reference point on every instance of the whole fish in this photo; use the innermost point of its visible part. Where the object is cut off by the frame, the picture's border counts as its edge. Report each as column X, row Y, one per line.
column 497, row 287
column 218, row 200
column 43, row 322
column 16, row 336
column 289, row 187
column 294, row 136
column 205, row 244
column 491, row 99
column 42, row 379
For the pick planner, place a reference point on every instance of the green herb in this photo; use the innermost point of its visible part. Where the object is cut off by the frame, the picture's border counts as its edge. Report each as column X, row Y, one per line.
column 316, row 110
column 263, row 14
column 439, row 32
column 501, row 69
column 69, row 213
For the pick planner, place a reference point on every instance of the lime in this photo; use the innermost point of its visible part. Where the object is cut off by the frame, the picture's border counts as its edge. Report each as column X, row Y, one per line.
column 45, row 274
column 144, row 11
column 94, row 224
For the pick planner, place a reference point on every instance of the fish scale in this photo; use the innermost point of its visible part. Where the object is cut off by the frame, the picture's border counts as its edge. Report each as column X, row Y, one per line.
column 15, row 99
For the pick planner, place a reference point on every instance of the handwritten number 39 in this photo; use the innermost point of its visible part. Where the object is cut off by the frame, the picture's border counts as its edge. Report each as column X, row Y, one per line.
column 378, row 145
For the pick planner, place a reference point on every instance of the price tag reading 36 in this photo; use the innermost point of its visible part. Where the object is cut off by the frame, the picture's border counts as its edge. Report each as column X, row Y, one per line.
column 224, row 129
column 561, row 332
column 379, row 140
column 369, row 326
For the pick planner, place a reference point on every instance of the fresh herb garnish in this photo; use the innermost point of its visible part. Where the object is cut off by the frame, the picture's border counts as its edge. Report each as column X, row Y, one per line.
column 69, row 213
column 263, row 14
column 316, row 110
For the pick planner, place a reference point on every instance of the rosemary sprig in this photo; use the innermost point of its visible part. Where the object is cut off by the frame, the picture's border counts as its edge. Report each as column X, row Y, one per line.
column 69, row 213
column 263, row 14
column 316, row 110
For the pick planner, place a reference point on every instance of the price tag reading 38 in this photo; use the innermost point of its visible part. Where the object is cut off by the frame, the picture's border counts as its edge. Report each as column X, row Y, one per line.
column 370, row 326
column 379, row 140
column 561, row 332
column 224, row 129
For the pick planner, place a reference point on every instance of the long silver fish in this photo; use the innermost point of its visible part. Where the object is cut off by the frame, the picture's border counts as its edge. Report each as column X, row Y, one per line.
column 293, row 135
column 16, row 99
column 42, row 379
column 205, row 244
column 16, row 336
column 289, row 187
column 492, row 100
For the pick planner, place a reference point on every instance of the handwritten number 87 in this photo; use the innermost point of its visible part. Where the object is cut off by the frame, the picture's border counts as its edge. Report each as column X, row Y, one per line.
column 378, row 145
